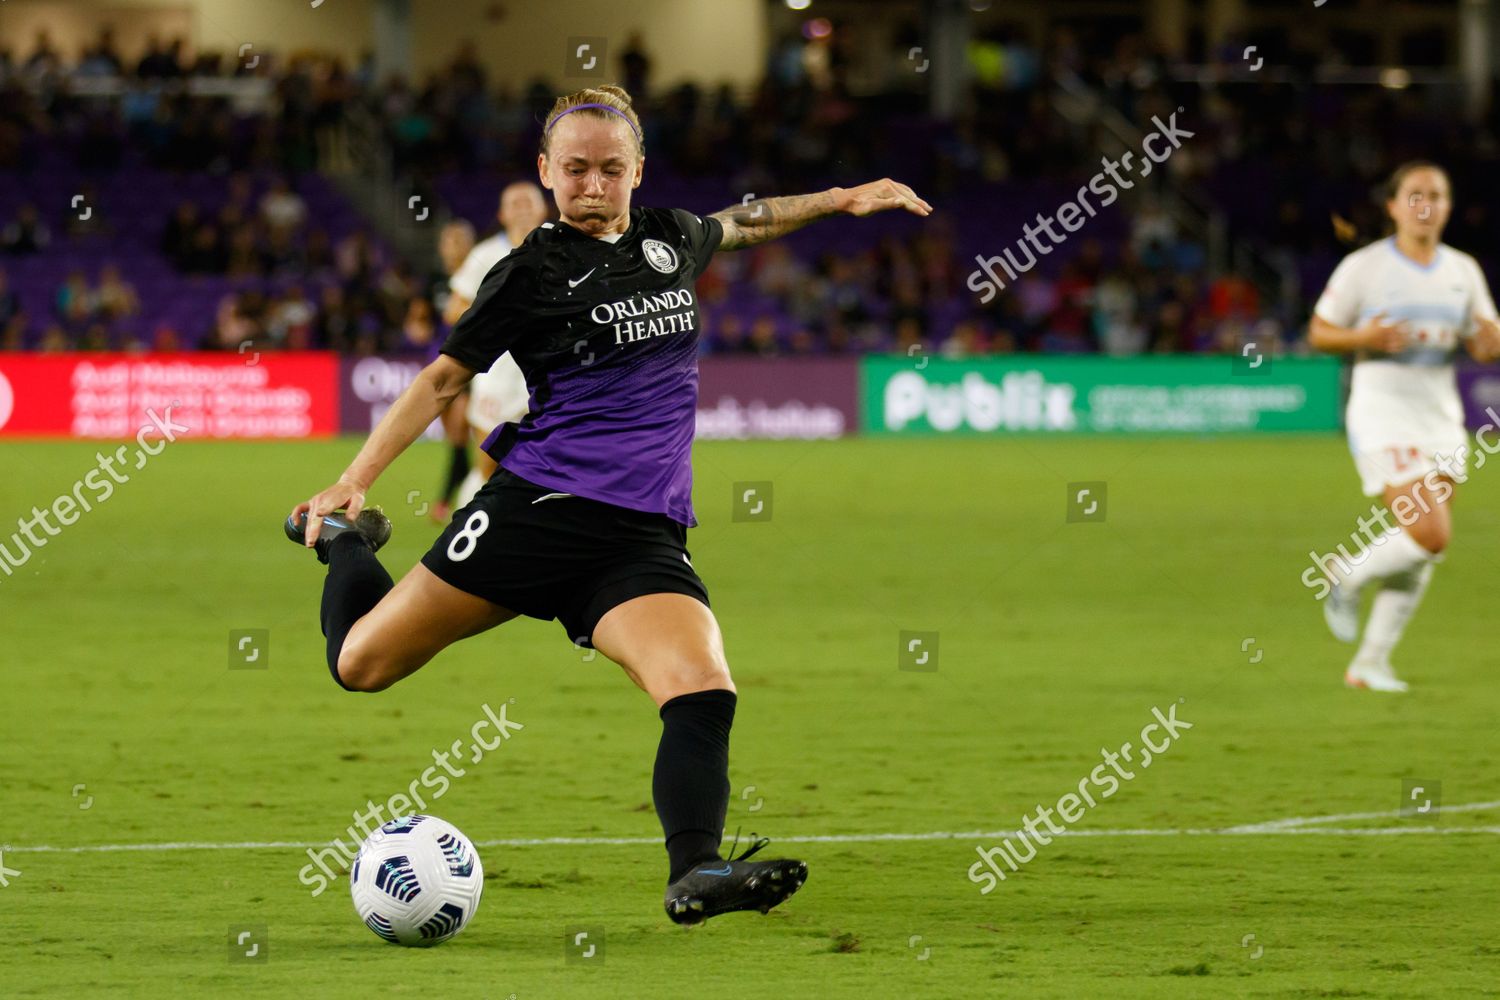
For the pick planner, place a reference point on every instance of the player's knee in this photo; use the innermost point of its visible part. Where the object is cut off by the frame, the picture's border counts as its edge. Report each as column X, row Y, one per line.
column 360, row 670
column 1431, row 534
column 688, row 675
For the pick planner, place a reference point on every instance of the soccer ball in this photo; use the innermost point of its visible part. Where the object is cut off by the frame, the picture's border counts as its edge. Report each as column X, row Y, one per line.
column 416, row 881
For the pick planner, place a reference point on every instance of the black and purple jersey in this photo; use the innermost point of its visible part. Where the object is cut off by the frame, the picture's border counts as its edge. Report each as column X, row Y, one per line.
column 606, row 332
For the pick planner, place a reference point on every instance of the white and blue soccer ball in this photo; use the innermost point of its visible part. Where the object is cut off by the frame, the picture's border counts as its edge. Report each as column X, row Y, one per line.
column 416, row 881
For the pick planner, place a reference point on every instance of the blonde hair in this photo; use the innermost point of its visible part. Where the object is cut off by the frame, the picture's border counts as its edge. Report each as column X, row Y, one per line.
column 615, row 103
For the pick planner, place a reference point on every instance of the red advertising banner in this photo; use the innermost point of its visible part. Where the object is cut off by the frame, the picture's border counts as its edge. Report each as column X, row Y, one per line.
column 114, row 396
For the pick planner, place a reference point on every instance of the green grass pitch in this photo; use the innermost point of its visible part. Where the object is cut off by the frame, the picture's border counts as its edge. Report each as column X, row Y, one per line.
column 124, row 726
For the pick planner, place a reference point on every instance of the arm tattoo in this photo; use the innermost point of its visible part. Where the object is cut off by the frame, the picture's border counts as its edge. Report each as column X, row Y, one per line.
column 768, row 218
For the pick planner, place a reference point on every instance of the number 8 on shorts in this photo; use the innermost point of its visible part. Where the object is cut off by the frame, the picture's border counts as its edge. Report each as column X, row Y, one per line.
column 467, row 538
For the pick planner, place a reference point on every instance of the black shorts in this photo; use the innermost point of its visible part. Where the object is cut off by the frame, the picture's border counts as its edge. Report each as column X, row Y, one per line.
column 547, row 554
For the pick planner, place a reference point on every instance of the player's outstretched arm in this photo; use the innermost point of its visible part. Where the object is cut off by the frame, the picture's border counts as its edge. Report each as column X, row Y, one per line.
column 428, row 395
column 766, row 219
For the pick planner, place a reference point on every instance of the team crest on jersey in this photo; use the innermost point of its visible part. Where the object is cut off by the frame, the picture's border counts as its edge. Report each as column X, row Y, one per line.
column 660, row 256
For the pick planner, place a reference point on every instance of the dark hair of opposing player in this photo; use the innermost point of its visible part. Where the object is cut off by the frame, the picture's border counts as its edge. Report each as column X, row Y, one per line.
column 1348, row 233
column 608, row 95
column 1399, row 175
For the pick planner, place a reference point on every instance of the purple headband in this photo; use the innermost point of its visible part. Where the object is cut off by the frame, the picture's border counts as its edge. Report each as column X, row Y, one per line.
column 604, row 107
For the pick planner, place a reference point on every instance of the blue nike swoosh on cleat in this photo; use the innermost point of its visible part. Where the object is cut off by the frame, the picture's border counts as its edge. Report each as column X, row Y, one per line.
column 728, row 869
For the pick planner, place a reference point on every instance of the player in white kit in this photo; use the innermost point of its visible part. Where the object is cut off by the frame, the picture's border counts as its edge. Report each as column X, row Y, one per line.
column 499, row 395
column 1402, row 306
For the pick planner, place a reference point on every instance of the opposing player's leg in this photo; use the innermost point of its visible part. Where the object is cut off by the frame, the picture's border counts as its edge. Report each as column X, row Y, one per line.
column 1401, row 474
column 456, row 430
column 1427, row 523
column 671, row 646
column 498, row 396
column 479, row 473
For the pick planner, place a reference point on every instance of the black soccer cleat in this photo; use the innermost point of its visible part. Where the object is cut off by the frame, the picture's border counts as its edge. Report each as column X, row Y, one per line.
column 372, row 525
column 723, row 886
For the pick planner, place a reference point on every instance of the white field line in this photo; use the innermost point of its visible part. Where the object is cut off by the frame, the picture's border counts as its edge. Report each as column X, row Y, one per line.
column 1279, row 825
column 1292, row 826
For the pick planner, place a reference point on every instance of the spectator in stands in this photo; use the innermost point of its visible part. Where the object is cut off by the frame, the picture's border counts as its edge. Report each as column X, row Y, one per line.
column 1116, row 324
column 12, row 317
column 243, row 256
column 44, row 59
column 26, row 234
column 55, row 340
column 318, row 253
column 165, row 338
column 763, row 340
column 95, row 338
column 103, row 59
column 419, row 329
column 75, row 302
column 729, row 336
column 177, row 238
column 160, row 63
column 356, row 258
column 966, row 341
column 291, row 319
column 10, row 302
column 281, row 208
column 206, row 253
column 282, row 254
column 233, row 327
column 334, row 327
column 635, row 66
column 115, row 297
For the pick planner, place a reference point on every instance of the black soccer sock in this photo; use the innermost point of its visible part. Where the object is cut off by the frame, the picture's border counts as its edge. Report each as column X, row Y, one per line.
column 458, row 468
column 691, row 783
column 356, row 582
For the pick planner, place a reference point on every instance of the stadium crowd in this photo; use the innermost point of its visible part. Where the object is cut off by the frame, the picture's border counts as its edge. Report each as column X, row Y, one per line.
column 1144, row 288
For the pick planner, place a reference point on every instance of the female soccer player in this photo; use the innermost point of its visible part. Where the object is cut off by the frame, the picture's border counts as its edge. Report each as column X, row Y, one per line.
column 586, row 519
column 1401, row 306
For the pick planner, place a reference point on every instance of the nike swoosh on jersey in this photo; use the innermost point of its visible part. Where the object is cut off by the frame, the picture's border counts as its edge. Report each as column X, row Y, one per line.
column 549, row 496
column 575, row 282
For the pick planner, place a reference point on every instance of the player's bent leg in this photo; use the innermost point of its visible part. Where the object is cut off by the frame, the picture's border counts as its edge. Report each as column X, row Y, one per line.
column 1421, row 532
column 1427, row 527
column 1424, row 514
column 419, row 618
column 671, row 646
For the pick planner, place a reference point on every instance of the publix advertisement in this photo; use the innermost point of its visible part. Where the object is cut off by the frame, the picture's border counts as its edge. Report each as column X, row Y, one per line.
column 1020, row 394
column 318, row 395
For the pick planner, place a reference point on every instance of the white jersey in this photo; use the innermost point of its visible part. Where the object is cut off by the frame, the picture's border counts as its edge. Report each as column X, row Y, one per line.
column 499, row 395
column 482, row 256
column 1405, row 415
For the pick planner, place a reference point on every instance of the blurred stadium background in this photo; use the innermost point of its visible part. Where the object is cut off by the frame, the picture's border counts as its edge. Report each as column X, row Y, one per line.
column 233, row 207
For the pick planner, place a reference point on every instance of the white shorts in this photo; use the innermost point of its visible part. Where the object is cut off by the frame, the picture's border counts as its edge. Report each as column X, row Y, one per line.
column 1398, row 462
column 1405, row 423
column 498, row 396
